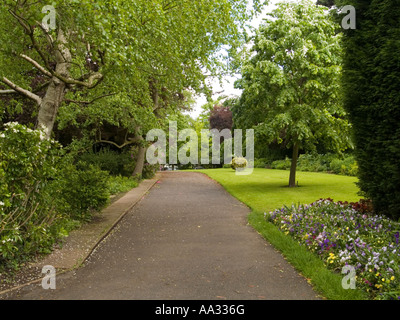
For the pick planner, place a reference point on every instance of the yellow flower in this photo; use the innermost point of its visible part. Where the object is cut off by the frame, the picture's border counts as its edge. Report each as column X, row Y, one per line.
column 392, row 278
column 383, row 279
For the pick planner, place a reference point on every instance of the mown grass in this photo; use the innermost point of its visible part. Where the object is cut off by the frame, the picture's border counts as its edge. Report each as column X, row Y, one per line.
column 265, row 190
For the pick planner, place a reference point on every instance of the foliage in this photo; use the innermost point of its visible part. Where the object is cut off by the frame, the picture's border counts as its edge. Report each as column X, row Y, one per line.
column 260, row 163
column 315, row 162
column 27, row 215
column 326, row 3
column 221, row 118
column 43, row 194
column 118, row 184
column 114, row 162
column 290, row 81
column 345, row 165
column 341, row 235
column 281, row 164
column 79, row 189
column 372, row 100
column 146, row 59
column 149, row 170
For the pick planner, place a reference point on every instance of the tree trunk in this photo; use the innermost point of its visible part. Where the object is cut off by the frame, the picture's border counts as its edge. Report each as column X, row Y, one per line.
column 295, row 155
column 56, row 90
column 140, row 161
column 48, row 109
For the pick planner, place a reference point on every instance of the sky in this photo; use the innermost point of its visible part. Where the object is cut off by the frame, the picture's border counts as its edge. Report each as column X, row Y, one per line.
column 227, row 87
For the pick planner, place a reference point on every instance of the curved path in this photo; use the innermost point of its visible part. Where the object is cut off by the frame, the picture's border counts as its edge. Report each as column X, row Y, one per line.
column 186, row 239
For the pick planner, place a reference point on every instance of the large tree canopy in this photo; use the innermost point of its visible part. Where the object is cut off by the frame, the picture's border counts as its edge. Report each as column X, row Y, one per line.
column 146, row 52
column 291, row 81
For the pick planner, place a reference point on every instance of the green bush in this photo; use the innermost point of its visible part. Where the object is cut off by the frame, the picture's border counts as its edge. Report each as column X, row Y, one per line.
column 116, row 163
column 321, row 163
column 347, row 166
column 80, row 189
column 281, row 164
column 149, row 170
column 315, row 162
column 44, row 193
column 27, row 214
column 260, row 163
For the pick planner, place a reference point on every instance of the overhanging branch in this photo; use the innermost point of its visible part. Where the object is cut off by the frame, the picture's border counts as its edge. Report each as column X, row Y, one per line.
column 37, row 65
column 24, row 92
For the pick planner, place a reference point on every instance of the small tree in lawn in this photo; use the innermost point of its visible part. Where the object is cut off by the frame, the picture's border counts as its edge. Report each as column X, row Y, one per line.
column 290, row 81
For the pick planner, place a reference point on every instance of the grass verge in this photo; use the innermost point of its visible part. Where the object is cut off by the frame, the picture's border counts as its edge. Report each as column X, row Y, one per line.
column 265, row 190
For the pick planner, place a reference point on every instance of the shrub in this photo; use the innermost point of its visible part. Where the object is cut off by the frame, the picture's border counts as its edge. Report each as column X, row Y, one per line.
column 314, row 162
column 27, row 214
column 238, row 163
column 260, row 163
column 116, row 163
column 321, row 162
column 347, row 166
column 149, row 170
column 281, row 164
column 80, row 189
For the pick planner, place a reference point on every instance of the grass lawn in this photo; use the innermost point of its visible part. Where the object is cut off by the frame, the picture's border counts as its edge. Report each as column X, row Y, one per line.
column 265, row 190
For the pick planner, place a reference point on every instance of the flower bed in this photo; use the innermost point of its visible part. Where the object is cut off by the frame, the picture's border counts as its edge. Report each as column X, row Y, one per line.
column 348, row 234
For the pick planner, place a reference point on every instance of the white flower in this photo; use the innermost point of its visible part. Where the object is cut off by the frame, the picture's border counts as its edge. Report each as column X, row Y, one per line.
column 11, row 124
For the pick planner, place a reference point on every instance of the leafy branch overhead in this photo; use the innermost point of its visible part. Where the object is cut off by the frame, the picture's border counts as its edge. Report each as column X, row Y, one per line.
column 135, row 49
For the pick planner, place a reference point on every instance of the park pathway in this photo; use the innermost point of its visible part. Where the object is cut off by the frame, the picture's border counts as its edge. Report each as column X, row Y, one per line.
column 186, row 239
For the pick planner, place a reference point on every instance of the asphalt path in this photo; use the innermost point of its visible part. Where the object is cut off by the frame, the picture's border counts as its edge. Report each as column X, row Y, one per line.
column 186, row 239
